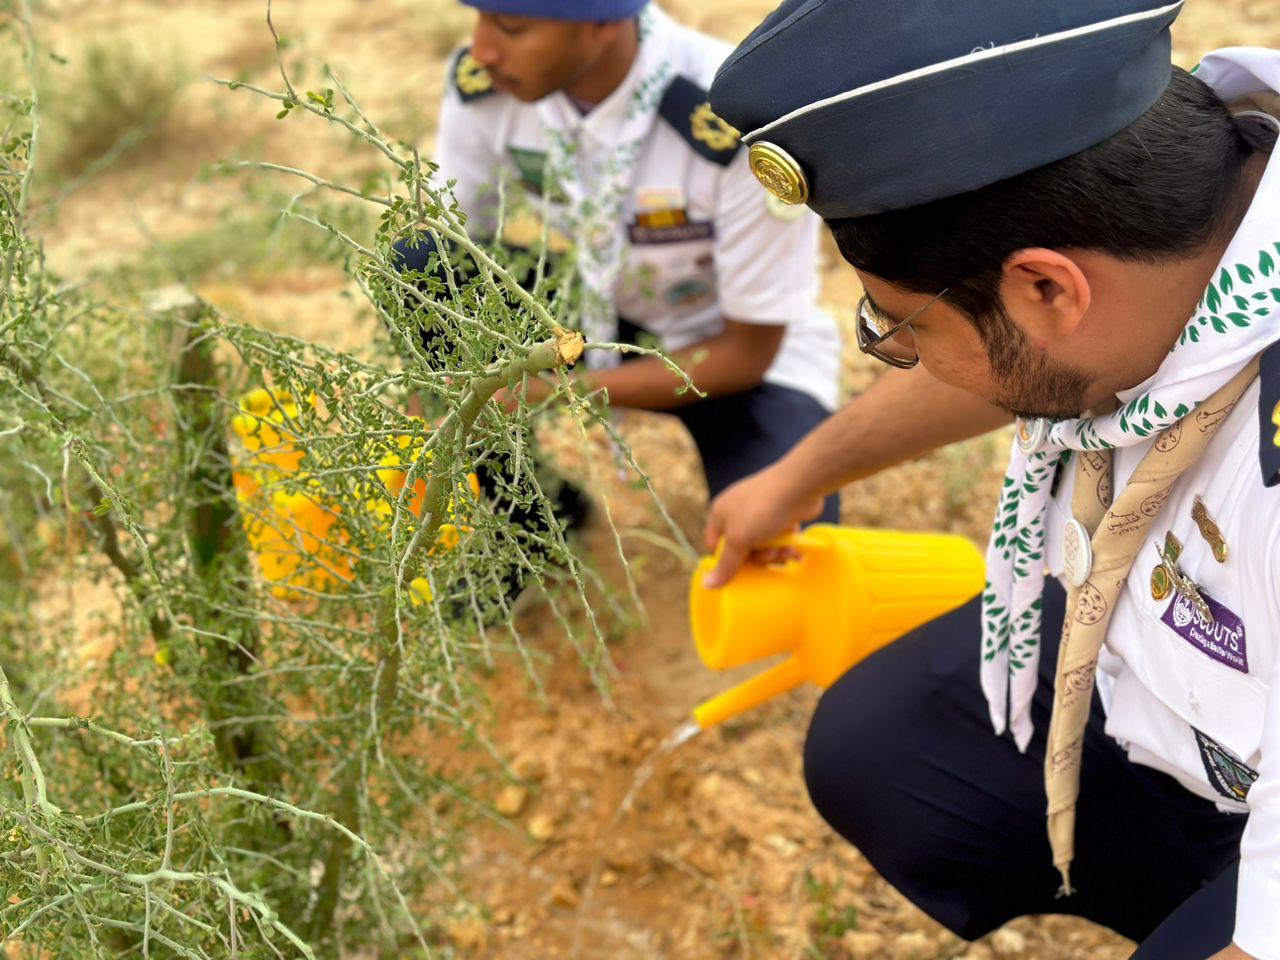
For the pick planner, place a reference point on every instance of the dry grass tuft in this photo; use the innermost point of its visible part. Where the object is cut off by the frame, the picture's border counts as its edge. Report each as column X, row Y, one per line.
column 108, row 99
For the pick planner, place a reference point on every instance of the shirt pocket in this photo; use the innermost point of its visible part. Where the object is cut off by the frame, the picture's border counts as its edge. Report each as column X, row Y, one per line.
column 1221, row 701
column 665, row 278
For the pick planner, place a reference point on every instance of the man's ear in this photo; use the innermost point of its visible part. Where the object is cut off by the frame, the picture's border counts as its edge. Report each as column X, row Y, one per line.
column 1045, row 292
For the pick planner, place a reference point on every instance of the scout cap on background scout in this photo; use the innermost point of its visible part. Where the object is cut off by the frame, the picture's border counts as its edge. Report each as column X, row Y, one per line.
column 858, row 107
column 584, row 10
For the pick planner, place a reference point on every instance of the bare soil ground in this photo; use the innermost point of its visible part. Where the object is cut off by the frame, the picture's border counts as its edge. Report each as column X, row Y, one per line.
column 722, row 854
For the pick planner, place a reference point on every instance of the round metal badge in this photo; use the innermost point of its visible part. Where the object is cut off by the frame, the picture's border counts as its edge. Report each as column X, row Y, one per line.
column 779, row 172
column 1031, row 433
column 1161, row 585
column 1077, row 553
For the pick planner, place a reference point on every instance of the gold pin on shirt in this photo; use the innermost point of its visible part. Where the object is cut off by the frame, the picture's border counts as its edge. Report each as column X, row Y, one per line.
column 1166, row 576
column 1161, row 585
column 1209, row 530
column 1161, row 581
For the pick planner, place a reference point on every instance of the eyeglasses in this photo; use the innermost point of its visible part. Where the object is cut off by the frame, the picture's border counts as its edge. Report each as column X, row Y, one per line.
column 891, row 341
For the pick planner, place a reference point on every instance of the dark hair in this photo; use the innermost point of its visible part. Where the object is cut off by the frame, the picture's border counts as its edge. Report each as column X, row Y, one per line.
column 1161, row 189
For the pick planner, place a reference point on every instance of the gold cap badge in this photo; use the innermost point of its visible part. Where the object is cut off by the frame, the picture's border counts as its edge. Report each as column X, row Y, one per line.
column 779, row 172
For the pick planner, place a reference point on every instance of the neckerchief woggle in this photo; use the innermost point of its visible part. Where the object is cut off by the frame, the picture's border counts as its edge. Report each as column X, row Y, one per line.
column 1238, row 316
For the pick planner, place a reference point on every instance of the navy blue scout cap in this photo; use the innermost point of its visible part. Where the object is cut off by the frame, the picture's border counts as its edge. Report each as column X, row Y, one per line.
column 856, row 107
column 584, row 10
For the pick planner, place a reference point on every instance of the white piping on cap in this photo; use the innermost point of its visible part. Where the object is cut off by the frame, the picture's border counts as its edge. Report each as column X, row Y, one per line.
column 976, row 56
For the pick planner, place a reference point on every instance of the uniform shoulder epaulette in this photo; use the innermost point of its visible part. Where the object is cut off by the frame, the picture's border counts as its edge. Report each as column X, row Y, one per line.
column 685, row 107
column 1269, row 415
column 470, row 79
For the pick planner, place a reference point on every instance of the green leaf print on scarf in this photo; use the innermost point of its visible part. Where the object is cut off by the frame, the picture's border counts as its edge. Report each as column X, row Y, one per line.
column 1222, row 291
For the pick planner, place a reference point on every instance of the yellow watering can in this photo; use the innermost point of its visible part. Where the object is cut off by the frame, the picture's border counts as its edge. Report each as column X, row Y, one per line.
column 851, row 592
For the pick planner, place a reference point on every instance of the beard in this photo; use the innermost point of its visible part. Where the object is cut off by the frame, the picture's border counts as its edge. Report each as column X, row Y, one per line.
column 1028, row 384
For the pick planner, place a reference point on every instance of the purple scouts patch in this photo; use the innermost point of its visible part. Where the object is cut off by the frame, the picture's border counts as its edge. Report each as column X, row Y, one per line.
column 1223, row 639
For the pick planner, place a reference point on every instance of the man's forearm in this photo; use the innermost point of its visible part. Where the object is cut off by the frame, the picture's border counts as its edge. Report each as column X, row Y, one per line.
column 905, row 414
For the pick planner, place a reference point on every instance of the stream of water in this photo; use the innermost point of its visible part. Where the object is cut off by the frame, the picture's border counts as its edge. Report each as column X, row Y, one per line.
column 644, row 773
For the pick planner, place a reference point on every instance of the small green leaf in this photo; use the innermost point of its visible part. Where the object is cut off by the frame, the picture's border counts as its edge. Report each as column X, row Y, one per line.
column 1246, row 275
column 1266, row 263
column 1225, row 283
column 1239, row 319
column 1212, row 298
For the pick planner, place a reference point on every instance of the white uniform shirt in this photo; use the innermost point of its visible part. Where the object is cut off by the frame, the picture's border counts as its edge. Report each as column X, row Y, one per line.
column 704, row 241
column 1200, row 701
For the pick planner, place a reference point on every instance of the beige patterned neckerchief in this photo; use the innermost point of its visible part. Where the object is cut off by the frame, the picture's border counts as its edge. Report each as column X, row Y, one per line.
column 1118, row 533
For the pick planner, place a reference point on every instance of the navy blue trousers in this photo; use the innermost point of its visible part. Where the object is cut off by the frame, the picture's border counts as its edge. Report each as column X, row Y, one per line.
column 901, row 761
column 742, row 433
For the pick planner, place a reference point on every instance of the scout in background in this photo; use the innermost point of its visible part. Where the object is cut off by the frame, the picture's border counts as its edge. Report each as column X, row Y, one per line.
column 1056, row 224
column 595, row 112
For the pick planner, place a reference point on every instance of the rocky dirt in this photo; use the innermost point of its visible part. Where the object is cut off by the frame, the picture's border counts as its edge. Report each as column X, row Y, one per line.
column 721, row 854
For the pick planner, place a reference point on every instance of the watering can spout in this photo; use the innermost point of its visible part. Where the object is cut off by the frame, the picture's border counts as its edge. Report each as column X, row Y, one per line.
column 851, row 592
column 778, row 679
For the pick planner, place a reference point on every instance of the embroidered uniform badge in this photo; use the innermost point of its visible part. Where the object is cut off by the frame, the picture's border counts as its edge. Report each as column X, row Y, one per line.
column 711, row 130
column 1227, row 774
column 470, row 78
column 684, row 106
column 532, row 165
column 1220, row 637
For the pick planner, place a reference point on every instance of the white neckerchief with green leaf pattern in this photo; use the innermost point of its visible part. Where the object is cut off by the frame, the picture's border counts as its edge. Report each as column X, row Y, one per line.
column 591, row 161
column 1237, row 317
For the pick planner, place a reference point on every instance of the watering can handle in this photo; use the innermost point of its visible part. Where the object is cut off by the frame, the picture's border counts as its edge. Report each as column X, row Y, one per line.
column 802, row 541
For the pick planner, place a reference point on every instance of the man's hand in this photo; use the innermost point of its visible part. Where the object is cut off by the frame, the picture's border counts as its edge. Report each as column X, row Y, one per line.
column 751, row 513
column 904, row 414
column 1233, row 953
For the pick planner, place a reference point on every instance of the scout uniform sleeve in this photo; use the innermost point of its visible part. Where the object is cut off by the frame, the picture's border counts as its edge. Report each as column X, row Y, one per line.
column 1257, row 929
column 1257, row 925
column 463, row 149
column 765, row 251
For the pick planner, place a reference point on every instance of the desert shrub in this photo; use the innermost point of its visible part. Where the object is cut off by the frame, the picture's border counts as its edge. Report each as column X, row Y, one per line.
column 296, row 585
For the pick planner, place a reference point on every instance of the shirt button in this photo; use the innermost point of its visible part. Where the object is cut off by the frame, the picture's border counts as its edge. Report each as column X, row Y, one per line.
column 1193, row 699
